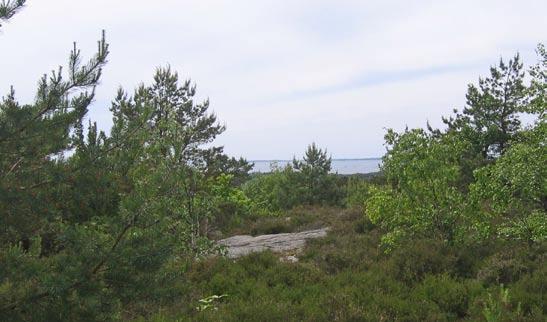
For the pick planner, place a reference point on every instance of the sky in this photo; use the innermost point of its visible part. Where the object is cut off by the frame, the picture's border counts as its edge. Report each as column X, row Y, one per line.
column 282, row 74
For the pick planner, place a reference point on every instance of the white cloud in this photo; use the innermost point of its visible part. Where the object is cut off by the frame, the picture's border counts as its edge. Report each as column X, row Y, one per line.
column 254, row 59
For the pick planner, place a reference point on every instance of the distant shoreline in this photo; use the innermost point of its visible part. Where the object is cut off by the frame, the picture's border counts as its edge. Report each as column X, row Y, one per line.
column 340, row 166
column 350, row 159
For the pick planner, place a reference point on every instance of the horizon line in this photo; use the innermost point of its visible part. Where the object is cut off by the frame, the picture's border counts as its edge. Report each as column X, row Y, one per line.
column 337, row 159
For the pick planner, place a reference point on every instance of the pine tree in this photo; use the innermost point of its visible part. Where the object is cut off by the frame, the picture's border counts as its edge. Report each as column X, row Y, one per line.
column 8, row 8
column 46, row 252
column 170, row 137
column 538, row 86
column 313, row 171
column 34, row 139
column 490, row 118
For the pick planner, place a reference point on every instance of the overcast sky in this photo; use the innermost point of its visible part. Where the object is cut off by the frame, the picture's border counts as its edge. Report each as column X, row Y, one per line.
column 282, row 74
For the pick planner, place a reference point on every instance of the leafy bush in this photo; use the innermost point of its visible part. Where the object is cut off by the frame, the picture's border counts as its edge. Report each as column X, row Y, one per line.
column 422, row 197
column 270, row 193
column 512, row 191
column 304, row 182
column 357, row 192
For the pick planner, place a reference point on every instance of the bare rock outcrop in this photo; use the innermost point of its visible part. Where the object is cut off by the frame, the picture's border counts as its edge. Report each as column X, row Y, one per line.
column 242, row 245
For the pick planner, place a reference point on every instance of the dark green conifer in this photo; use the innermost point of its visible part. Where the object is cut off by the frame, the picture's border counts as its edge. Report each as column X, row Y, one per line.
column 490, row 118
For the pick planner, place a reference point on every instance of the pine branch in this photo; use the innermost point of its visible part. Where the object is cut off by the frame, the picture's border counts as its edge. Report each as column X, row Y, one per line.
column 9, row 8
column 54, row 91
column 92, row 272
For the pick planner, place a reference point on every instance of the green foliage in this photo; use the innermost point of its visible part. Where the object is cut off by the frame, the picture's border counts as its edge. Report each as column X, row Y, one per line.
column 209, row 303
column 344, row 277
column 273, row 192
column 49, row 255
column 33, row 140
column 514, row 189
column 422, row 198
column 483, row 176
column 450, row 295
column 166, row 154
column 304, row 182
column 504, row 267
column 230, row 205
column 538, row 87
column 490, row 118
column 529, row 292
column 312, row 177
column 91, row 223
column 412, row 262
column 498, row 308
column 358, row 191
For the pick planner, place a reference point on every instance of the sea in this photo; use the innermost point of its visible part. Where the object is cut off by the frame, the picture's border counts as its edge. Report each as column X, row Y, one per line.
column 340, row 166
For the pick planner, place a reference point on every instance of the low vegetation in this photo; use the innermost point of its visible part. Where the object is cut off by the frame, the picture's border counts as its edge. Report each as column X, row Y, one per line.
column 346, row 277
column 98, row 227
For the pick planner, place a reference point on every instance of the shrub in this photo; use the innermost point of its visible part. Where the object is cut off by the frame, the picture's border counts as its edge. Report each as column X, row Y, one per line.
column 363, row 225
column 272, row 192
column 304, row 182
column 530, row 292
column 414, row 260
column 503, row 267
column 450, row 295
column 357, row 192
column 497, row 306
column 271, row 226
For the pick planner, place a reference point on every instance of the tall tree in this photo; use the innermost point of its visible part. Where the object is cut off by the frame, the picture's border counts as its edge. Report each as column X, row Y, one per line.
column 34, row 139
column 512, row 193
column 46, row 256
column 170, row 136
column 89, row 223
column 490, row 118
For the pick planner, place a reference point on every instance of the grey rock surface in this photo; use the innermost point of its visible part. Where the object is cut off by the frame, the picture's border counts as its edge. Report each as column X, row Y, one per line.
column 242, row 245
column 289, row 259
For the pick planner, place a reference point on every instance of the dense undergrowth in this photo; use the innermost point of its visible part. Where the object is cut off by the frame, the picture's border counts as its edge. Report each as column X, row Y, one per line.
column 346, row 277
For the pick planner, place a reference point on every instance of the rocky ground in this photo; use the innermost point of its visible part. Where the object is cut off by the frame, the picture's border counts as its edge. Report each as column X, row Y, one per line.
column 242, row 245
